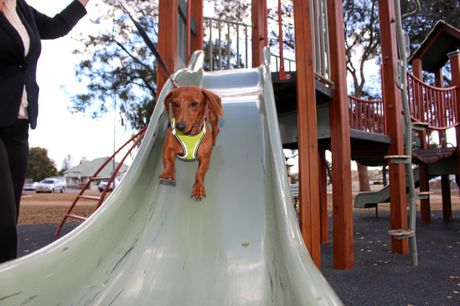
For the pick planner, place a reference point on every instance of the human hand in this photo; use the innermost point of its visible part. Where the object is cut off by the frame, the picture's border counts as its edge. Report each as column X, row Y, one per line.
column 2, row 4
column 83, row 2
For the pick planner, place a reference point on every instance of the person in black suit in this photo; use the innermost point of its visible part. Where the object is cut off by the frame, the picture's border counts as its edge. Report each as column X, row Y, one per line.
column 21, row 29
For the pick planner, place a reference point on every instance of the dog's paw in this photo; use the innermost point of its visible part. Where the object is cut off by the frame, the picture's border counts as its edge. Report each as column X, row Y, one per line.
column 167, row 178
column 198, row 192
column 167, row 183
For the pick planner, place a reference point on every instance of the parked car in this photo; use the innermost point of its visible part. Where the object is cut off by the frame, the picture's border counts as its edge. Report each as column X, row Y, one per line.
column 104, row 183
column 52, row 185
column 30, row 186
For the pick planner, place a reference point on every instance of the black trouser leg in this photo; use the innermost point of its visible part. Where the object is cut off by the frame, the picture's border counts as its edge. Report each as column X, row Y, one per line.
column 14, row 150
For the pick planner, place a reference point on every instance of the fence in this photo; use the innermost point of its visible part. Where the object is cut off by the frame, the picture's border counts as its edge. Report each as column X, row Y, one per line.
column 433, row 105
column 227, row 44
column 367, row 115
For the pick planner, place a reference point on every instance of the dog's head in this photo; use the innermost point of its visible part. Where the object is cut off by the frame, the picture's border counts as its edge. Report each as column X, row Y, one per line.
column 189, row 105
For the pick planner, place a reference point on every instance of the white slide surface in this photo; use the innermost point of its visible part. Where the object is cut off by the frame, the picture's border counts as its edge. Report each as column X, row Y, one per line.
column 151, row 244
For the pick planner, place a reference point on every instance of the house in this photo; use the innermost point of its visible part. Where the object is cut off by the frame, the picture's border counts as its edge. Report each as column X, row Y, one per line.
column 82, row 173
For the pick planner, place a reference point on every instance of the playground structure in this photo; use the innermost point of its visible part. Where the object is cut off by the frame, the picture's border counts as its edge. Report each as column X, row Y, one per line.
column 129, row 249
column 151, row 243
column 315, row 113
column 374, row 131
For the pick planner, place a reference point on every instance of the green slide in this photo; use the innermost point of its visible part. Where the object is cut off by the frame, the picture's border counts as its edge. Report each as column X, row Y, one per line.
column 151, row 244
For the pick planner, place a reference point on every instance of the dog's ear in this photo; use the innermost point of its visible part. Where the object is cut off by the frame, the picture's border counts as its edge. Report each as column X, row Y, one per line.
column 167, row 102
column 214, row 102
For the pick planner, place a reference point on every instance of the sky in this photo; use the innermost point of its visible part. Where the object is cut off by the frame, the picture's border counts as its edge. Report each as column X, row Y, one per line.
column 59, row 131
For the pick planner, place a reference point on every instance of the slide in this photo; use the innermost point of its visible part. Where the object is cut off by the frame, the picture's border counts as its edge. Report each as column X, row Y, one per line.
column 368, row 199
column 151, row 244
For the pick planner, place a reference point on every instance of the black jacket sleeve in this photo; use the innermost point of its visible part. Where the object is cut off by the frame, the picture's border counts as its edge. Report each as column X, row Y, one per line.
column 62, row 23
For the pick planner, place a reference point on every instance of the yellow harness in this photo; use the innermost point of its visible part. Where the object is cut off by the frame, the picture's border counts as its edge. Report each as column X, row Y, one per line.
column 189, row 143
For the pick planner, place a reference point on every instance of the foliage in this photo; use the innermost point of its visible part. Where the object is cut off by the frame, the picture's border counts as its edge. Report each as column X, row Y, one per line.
column 119, row 70
column 362, row 41
column 40, row 166
column 287, row 26
column 66, row 164
column 418, row 25
column 362, row 29
column 230, row 9
column 221, row 58
column 224, row 53
column 117, row 67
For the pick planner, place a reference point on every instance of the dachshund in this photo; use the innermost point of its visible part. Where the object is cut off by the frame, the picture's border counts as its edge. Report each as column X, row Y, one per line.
column 194, row 114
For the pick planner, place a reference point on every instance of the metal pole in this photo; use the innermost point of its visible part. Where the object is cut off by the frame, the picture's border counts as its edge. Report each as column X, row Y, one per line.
column 114, row 129
column 188, row 31
column 408, row 131
column 281, row 73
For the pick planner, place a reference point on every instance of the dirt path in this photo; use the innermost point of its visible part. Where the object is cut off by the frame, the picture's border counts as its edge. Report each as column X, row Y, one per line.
column 46, row 208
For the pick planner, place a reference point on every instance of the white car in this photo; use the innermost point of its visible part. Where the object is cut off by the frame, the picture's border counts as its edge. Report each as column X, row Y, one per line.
column 52, row 185
column 104, row 183
column 30, row 186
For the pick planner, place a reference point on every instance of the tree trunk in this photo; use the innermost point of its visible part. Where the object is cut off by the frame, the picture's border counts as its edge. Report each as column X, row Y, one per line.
column 363, row 177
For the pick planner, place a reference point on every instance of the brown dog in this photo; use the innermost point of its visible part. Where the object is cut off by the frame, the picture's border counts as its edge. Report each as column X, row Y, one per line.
column 194, row 113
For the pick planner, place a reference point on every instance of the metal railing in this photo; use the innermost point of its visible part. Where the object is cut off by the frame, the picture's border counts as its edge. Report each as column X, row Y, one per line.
column 321, row 40
column 289, row 64
column 227, row 44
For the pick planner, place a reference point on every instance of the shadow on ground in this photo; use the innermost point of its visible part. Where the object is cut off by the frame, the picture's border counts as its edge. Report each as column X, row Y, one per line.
column 382, row 278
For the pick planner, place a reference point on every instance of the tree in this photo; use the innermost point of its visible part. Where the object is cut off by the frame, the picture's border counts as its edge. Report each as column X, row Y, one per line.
column 362, row 41
column 287, row 26
column 224, row 54
column 40, row 166
column 66, row 164
column 230, row 9
column 117, row 67
column 418, row 25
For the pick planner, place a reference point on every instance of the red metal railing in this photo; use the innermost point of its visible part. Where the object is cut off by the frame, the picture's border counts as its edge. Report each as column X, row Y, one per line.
column 367, row 115
column 135, row 142
column 433, row 105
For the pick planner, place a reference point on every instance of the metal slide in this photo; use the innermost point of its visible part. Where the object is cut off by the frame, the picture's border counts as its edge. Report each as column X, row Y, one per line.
column 151, row 244
column 367, row 199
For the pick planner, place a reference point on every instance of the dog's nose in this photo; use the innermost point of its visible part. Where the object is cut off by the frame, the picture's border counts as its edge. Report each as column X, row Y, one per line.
column 181, row 125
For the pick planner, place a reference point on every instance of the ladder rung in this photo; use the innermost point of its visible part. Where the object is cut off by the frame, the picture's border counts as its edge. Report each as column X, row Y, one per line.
column 95, row 178
column 419, row 124
column 424, row 195
column 401, row 233
column 398, row 159
column 89, row 197
column 76, row 217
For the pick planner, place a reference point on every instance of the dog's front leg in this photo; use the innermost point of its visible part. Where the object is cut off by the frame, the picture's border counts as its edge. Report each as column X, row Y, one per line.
column 170, row 149
column 213, row 120
column 198, row 191
column 203, row 157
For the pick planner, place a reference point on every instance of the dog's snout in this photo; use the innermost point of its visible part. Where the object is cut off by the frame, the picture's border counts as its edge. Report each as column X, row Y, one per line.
column 181, row 125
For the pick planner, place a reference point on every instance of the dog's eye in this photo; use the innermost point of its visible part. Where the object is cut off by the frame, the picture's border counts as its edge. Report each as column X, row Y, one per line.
column 194, row 104
column 175, row 104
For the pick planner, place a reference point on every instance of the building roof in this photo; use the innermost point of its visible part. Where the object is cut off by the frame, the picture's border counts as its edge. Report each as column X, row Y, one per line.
column 89, row 168
column 440, row 41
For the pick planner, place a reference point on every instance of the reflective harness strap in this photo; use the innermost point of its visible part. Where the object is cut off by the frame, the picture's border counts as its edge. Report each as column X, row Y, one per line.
column 189, row 143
